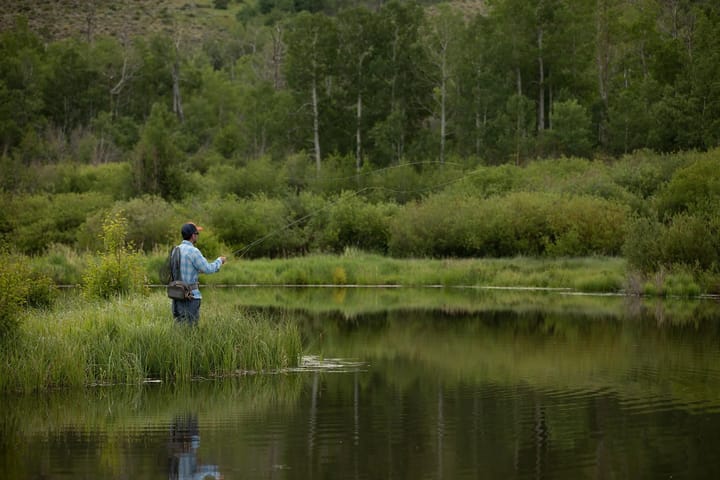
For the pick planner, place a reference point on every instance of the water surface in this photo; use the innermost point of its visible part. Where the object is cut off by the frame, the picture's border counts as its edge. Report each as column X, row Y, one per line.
column 411, row 384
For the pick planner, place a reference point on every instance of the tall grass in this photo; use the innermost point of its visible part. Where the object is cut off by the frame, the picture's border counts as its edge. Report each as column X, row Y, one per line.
column 354, row 267
column 131, row 339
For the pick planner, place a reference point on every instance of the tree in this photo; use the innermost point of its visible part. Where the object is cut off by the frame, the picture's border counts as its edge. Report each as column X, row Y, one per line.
column 401, row 90
column 360, row 45
column 571, row 128
column 311, row 59
column 21, row 80
column 441, row 33
column 156, row 159
column 72, row 93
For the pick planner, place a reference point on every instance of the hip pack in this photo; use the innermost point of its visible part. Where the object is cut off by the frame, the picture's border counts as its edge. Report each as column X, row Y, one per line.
column 179, row 290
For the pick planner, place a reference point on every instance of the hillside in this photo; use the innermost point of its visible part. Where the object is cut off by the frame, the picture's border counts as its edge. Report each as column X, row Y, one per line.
column 86, row 19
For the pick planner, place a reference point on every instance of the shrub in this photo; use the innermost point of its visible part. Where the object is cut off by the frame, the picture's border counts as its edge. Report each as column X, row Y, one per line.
column 438, row 226
column 20, row 286
column 39, row 221
column 695, row 188
column 119, row 270
column 583, row 225
column 353, row 222
column 61, row 264
column 258, row 176
column 151, row 221
column 14, row 292
column 255, row 227
column 521, row 223
column 689, row 241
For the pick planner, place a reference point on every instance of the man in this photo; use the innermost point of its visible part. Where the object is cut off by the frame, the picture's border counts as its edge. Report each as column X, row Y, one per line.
column 192, row 264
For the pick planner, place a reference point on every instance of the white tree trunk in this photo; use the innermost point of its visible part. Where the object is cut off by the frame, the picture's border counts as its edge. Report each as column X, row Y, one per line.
column 541, row 84
column 358, row 135
column 316, row 125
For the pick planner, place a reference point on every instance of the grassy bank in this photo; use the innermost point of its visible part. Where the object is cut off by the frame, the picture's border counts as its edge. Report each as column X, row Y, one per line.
column 584, row 274
column 592, row 274
column 129, row 340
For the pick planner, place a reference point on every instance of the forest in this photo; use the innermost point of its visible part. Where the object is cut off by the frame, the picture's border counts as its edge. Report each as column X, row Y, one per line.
column 410, row 129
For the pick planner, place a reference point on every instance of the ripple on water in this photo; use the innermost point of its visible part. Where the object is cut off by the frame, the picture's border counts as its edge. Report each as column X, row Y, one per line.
column 315, row 363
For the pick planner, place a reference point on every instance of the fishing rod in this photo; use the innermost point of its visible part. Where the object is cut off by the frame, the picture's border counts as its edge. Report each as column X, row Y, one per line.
column 242, row 251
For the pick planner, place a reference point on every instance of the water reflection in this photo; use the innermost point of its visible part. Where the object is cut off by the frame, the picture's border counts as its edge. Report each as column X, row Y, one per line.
column 184, row 443
column 561, row 392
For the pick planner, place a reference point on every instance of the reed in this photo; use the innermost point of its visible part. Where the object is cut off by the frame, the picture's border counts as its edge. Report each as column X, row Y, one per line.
column 592, row 273
column 130, row 339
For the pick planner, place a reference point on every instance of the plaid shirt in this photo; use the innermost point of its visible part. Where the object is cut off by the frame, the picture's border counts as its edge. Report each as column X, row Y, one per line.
column 193, row 263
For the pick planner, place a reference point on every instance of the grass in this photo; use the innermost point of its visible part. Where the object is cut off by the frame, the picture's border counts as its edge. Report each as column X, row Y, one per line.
column 582, row 274
column 129, row 340
column 356, row 268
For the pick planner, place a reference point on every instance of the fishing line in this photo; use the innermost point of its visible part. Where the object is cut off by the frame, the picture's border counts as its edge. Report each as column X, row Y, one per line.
column 242, row 251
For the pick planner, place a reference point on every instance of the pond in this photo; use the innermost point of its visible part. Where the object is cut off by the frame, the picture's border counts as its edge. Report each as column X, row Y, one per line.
column 411, row 384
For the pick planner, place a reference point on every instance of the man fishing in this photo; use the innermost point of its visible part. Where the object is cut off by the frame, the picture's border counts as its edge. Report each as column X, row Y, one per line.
column 187, row 268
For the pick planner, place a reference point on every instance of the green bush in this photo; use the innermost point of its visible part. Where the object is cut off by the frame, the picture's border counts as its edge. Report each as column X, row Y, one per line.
column 690, row 241
column 694, row 188
column 258, row 176
column 14, row 292
column 354, row 222
column 687, row 241
column 644, row 173
column 151, row 221
column 521, row 223
column 583, row 225
column 118, row 271
column 336, row 175
column 61, row 264
column 38, row 221
column 436, row 227
column 257, row 226
column 20, row 287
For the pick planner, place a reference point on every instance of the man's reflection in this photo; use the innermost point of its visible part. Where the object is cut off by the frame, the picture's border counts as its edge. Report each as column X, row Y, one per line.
column 183, row 444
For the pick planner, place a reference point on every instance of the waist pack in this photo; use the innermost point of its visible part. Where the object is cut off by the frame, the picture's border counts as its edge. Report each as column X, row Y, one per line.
column 178, row 290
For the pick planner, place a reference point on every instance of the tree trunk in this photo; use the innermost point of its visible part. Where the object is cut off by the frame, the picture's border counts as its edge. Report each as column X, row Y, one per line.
column 358, row 135
column 603, row 63
column 541, row 83
column 177, row 98
column 519, row 117
column 277, row 57
column 316, row 125
column 443, row 100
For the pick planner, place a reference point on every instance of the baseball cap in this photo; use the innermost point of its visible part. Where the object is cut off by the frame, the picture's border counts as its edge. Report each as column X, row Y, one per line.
column 189, row 229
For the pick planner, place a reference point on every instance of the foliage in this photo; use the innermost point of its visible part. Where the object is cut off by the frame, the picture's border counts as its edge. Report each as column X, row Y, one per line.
column 570, row 131
column 383, row 84
column 62, row 264
column 353, row 222
column 20, row 287
column 37, row 221
column 150, row 221
column 256, row 226
column 688, row 241
column 694, row 188
column 516, row 224
column 157, row 159
column 118, row 270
